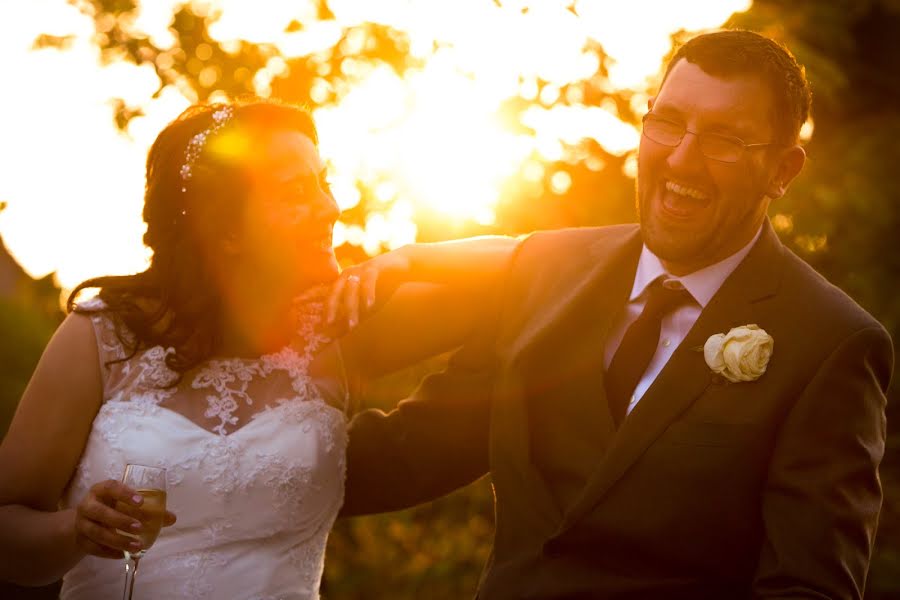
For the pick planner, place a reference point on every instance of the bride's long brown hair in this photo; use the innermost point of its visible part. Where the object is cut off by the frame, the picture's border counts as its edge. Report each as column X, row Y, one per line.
column 176, row 303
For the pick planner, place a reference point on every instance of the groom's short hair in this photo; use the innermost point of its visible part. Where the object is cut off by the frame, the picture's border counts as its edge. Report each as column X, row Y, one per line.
column 737, row 52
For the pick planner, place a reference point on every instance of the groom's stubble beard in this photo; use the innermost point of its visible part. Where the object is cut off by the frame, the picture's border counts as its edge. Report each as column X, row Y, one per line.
column 699, row 244
column 681, row 249
column 650, row 234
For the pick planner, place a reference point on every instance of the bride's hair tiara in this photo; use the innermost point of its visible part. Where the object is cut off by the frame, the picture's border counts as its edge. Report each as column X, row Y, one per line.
column 195, row 146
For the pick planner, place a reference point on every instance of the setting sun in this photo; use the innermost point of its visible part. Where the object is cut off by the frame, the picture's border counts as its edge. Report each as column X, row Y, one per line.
column 431, row 143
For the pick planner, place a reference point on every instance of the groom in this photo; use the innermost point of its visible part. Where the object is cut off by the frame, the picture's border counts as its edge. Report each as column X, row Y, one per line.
column 639, row 447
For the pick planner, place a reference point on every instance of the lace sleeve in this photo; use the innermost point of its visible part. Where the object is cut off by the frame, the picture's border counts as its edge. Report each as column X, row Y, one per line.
column 110, row 349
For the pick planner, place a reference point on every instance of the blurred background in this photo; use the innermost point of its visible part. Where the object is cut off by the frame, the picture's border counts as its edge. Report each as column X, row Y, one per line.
column 438, row 119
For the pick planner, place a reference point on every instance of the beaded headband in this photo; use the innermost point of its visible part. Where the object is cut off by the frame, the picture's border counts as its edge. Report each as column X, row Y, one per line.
column 220, row 117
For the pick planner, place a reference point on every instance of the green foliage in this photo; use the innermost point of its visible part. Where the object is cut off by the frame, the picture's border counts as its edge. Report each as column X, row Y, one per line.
column 25, row 328
column 434, row 551
column 24, row 335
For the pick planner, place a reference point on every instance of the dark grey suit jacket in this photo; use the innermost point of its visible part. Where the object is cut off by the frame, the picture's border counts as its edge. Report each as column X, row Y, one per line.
column 709, row 489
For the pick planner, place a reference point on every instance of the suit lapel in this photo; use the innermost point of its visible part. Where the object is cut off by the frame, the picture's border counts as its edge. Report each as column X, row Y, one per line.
column 569, row 339
column 686, row 376
column 591, row 293
column 565, row 328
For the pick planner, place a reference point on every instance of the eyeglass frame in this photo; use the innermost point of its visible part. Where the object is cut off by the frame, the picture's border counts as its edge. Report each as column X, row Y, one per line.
column 700, row 135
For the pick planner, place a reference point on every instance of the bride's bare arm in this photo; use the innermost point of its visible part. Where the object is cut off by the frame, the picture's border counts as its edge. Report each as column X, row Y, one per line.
column 39, row 454
column 39, row 542
column 425, row 299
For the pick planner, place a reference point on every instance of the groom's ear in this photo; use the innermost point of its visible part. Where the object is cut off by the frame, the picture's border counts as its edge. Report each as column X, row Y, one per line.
column 790, row 163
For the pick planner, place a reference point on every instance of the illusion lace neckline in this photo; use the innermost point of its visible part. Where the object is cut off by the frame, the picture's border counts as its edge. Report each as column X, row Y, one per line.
column 228, row 386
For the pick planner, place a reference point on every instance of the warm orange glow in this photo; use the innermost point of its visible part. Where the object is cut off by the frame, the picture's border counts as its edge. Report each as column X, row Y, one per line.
column 807, row 130
column 428, row 145
column 431, row 138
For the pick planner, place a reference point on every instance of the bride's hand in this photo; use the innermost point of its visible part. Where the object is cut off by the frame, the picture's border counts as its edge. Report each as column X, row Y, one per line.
column 353, row 293
column 96, row 520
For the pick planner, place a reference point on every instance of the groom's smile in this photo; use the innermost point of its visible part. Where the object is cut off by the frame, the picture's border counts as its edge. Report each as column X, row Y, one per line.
column 682, row 201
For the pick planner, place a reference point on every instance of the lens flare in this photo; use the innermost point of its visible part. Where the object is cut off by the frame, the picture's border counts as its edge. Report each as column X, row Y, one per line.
column 431, row 146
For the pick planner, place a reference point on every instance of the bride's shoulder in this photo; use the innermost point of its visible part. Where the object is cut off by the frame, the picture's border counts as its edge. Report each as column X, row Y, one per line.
column 91, row 305
column 112, row 335
column 97, row 312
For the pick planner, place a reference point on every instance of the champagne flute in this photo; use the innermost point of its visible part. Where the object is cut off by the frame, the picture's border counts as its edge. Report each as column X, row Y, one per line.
column 150, row 483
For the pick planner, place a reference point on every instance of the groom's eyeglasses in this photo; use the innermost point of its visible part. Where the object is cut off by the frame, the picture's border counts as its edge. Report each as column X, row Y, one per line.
column 723, row 148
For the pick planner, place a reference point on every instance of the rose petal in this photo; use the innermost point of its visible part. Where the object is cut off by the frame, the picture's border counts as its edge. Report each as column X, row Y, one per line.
column 732, row 353
column 712, row 352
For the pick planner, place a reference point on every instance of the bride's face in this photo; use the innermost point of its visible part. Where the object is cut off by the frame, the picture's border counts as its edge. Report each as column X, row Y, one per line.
column 285, row 237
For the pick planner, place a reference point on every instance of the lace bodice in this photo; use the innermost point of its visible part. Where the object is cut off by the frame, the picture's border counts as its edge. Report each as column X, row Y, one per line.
column 254, row 452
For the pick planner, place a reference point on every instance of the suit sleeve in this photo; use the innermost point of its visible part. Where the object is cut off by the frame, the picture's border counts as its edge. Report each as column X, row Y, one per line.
column 431, row 444
column 437, row 440
column 823, row 495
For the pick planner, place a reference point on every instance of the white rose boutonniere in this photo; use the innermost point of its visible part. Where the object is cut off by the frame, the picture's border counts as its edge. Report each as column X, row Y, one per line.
column 742, row 354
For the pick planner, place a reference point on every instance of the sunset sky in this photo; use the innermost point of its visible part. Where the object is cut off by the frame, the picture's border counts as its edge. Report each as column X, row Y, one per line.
column 73, row 183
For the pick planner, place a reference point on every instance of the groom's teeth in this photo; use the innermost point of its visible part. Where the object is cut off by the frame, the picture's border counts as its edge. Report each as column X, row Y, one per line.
column 683, row 190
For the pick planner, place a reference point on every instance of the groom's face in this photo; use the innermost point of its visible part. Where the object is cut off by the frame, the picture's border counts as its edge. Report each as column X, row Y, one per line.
column 694, row 210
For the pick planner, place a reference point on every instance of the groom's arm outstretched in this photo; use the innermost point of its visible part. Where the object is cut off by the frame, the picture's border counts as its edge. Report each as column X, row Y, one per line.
column 437, row 440
column 431, row 444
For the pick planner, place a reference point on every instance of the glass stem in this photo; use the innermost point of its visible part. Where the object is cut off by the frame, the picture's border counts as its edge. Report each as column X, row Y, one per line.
column 131, row 566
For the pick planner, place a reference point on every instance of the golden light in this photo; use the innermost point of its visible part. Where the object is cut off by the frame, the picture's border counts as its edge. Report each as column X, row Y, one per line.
column 572, row 124
column 636, row 33
column 431, row 138
column 428, row 145
column 807, row 130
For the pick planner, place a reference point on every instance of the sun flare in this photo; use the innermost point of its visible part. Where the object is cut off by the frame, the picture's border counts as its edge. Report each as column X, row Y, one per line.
column 429, row 145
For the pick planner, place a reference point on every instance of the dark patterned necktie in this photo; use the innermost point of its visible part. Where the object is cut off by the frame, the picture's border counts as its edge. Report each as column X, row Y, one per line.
column 639, row 345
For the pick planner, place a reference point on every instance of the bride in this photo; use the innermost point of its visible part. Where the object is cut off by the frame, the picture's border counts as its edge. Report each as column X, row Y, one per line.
column 218, row 364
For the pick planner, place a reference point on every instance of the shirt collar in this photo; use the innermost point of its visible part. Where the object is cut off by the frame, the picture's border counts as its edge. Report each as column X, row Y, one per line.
column 702, row 284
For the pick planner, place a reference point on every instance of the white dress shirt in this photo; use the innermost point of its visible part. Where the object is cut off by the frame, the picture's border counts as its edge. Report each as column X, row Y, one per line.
column 702, row 286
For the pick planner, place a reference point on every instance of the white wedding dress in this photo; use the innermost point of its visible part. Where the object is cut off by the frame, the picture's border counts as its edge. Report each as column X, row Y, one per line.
column 255, row 474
